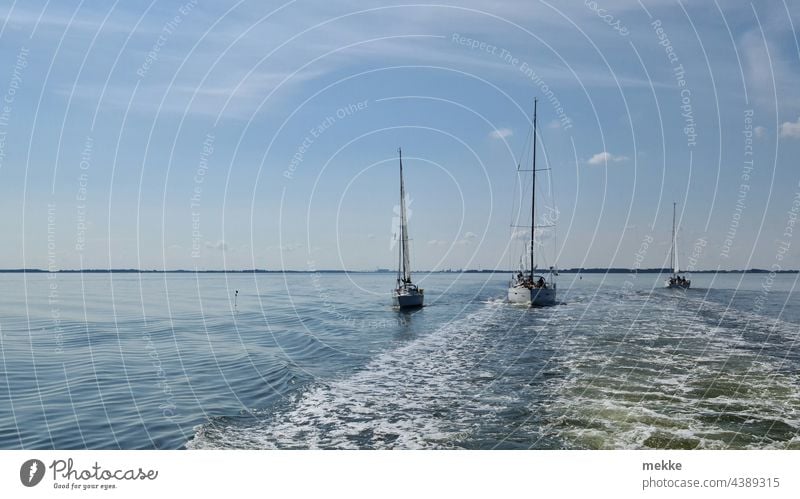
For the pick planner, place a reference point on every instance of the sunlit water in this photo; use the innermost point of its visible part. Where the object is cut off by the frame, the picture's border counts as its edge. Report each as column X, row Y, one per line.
column 308, row 361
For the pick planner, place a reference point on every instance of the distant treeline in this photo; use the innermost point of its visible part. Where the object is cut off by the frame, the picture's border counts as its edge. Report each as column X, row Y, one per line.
column 385, row 271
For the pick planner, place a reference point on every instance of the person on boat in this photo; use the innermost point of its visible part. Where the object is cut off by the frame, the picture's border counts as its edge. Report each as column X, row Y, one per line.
column 540, row 282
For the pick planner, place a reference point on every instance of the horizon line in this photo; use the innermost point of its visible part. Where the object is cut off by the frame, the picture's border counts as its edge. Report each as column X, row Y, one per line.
column 572, row 270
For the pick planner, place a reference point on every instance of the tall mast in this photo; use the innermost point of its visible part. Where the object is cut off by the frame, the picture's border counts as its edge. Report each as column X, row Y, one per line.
column 672, row 251
column 533, row 187
column 406, row 271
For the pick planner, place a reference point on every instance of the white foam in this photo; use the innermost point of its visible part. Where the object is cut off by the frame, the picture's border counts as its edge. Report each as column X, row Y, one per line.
column 424, row 394
column 705, row 375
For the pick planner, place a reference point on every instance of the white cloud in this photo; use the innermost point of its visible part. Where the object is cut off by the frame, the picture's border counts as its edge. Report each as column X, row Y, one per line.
column 760, row 132
column 605, row 157
column 437, row 242
column 501, row 133
column 467, row 238
column 54, row 20
column 790, row 129
column 554, row 124
column 219, row 245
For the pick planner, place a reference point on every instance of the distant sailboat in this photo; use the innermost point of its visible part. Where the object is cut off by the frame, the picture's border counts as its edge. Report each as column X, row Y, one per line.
column 675, row 281
column 406, row 294
column 526, row 287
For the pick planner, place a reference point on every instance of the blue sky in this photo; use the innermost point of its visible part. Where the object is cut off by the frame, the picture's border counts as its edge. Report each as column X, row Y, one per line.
column 162, row 135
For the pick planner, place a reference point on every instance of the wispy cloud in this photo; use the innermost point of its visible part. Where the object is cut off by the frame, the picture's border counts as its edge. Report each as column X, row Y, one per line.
column 233, row 95
column 501, row 133
column 606, row 157
column 233, row 79
column 57, row 19
column 467, row 238
column 757, row 66
column 768, row 67
column 219, row 245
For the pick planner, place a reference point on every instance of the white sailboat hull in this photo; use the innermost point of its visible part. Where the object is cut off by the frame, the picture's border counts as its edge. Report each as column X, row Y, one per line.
column 407, row 300
column 535, row 297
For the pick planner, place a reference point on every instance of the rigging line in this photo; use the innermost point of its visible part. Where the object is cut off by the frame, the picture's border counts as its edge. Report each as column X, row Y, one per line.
column 554, row 208
column 510, row 258
column 526, row 146
column 550, row 188
column 518, row 179
column 523, row 192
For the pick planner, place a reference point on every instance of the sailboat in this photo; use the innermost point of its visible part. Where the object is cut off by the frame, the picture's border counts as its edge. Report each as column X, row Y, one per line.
column 675, row 281
column 406, row 294
column 526, row 287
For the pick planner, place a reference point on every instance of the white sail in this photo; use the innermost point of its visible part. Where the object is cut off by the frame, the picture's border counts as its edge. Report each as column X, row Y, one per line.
column 676, row 268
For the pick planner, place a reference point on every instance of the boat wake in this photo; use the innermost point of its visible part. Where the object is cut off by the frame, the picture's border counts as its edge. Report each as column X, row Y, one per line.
column 679, row 378
column 431, row 393
column 648, row 372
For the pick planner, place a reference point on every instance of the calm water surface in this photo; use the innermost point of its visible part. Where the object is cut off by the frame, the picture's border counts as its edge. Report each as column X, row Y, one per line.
column 134, row 361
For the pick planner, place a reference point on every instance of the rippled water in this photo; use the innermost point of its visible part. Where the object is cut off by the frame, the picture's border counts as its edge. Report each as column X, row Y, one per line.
column 307, row 361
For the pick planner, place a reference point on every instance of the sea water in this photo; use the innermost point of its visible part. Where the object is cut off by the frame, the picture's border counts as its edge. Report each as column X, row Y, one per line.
column 177, row 360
